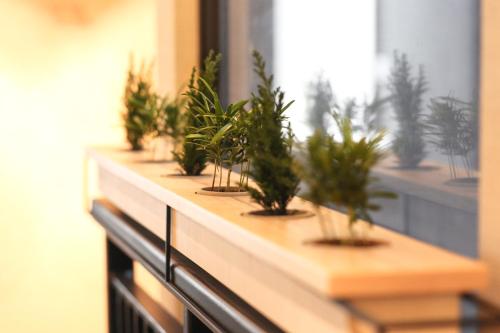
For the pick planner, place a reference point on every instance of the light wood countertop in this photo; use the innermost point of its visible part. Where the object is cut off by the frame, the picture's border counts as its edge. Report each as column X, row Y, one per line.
column 403, row 267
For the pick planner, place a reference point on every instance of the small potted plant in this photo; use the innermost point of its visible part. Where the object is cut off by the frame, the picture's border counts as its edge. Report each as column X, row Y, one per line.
column 138, row 117
column 407, row 102
column 166, row 127
column 270, row 148
column 219, row 137
column 452, row 128
column 192, row 160
column 339, row 173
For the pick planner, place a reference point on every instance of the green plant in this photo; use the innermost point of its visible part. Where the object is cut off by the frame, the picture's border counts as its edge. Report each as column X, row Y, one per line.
column 452, row 128
column 270, row 146
column 167, row 114
column 406, row 99
column 138, row 116
column 219, row 134
column 339, row 173
column 191, row 159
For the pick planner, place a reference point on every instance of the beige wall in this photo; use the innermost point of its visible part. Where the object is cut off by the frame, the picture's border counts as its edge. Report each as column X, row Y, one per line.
column 489, row 208
column 178, row 37
column 61, row 87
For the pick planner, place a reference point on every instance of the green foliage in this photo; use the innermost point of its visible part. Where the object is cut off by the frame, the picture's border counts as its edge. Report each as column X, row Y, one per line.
column 138, row 117
column 406, row 99
column 270, row 145
column 167, row 114
column 339, row 173
column 452, row 128
column 191, row 159
column 218, row 133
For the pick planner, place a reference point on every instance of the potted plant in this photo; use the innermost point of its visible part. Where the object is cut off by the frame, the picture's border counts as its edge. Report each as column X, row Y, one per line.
column 270, row 147
column 218, row 136
column 138, row 116
column 166, row 127
column 452, row 128
column 192, row 160
column 406, row 99
column 339, row 173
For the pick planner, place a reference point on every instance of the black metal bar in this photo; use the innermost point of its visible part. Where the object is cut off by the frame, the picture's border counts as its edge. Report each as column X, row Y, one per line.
column 492, row 320
column 209, row 30
column 168, row 247
column 141, row 306
column 378, row 326
column 116, row 262
column 118, row 318
column 215, row 305
column 192, row 324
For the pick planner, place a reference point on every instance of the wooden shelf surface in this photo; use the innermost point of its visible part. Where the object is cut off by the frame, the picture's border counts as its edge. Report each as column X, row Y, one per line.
column 403, row 267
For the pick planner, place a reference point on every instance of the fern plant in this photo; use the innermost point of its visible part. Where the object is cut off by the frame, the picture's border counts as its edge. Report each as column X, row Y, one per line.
column 270, row 146
column 406, row 99
column 191, row 159
column 339, row 173
column 138, row 116
column 218, row 134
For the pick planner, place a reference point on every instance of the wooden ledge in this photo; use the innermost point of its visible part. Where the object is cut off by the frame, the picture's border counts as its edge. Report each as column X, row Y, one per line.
column 404, row 267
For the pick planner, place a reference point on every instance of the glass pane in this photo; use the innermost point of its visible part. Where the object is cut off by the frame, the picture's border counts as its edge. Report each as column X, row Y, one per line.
column 407, row 66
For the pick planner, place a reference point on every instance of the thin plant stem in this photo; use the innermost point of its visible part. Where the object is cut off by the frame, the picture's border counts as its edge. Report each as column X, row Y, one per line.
column 453, row 166
column 352, row 232
column 322, row 222
column 248, row 172
column 215, row 175
column 228, row 186
column 242, row 175
column 220, row 176
column 449, row 166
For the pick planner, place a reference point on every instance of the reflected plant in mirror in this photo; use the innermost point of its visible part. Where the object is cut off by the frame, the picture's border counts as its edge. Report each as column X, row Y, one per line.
column 192, row 160
column 339, row 173
column 322, row 104
column 452, row 129
column 373, row 112
column 270, row 146
column 321, row 101
column 406, row 93
column 138, row 117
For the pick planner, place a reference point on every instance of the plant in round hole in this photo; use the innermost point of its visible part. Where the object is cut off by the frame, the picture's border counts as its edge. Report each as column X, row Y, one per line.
column 338, row 173
column 406, row 99
column 138, row 116
column 452, row 128
column 218, row 134
column 191, row 159
column 270, row 146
